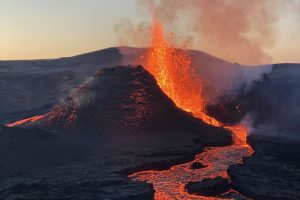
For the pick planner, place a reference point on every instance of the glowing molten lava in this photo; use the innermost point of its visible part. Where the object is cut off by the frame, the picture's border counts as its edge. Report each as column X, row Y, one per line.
column 171, row 68
column 22, row 121
column 174, row 73
column 176, row 76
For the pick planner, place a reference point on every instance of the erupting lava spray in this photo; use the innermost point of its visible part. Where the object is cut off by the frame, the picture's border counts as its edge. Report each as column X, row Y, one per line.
column 176, row 76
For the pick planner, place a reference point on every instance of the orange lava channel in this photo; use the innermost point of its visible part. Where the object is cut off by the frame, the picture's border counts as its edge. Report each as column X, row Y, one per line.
column 31, row 119
column 174, row 73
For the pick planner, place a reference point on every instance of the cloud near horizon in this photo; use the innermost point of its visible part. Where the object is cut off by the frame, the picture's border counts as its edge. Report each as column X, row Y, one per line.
column 238, row 31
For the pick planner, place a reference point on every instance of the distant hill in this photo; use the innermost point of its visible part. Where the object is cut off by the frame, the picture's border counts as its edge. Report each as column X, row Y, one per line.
column 125, row 102
column 267, row 92
column 31, row 87
column 34, row 86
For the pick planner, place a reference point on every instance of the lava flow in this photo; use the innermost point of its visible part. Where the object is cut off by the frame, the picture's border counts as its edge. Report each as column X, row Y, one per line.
column 22, row 121
column 176, row 76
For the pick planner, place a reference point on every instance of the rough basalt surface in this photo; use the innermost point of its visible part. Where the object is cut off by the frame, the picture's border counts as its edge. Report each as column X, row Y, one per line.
column 197, row 165
column 127, row 101
column 125, row 122
column 209, row 187
column 272, row 173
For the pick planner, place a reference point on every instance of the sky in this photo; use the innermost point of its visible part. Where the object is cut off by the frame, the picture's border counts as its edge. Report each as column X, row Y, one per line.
column 36, row 29
column 55, row 28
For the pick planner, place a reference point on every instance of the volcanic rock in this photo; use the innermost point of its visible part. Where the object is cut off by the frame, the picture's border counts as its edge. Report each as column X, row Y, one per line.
column 269, row 99
column 208, row 187
column 127, row 122
column 37, row 164
column 273, row 172
column 127, row 101
column 31, row 87
column 197, row 165
column 226, row 110
column 23, row 150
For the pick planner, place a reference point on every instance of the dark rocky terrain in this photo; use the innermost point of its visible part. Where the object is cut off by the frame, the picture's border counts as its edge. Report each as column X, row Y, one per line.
column 273, row 105
column 122, row 101
column 273, row 172
column 31, row 87
column 23, row 150
column 117, row 122
column 209, row 187
column 102, row 126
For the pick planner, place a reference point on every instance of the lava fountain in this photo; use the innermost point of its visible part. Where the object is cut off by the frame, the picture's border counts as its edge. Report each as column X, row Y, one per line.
column 174, row 73
column 176, row 76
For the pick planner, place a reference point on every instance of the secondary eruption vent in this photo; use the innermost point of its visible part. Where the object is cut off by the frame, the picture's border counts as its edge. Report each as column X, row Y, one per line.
column 176, row 76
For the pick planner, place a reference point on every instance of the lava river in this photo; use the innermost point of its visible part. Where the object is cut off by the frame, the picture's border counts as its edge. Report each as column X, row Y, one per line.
column 23, row 121
column 175, row 75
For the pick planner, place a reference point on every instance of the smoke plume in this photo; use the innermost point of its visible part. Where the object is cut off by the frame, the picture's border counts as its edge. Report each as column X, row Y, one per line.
column 237, row 31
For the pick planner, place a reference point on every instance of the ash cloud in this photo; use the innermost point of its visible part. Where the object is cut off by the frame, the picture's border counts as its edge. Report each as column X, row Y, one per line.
column 237, row 31
column 130, row 34
column 276, row 102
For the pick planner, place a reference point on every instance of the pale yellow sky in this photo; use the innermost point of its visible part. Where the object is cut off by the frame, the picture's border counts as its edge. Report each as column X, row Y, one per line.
column 32, row 29
column 35, row 29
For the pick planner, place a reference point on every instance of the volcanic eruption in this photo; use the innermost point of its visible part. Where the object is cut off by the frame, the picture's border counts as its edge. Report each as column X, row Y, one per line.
column 174, row 72
column 176, row 76
column 193, row 105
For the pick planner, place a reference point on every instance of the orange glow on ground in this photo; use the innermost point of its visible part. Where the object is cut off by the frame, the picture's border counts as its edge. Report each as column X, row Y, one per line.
column 31, row 119
column 240, row 134
column 170, row 184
